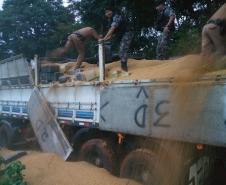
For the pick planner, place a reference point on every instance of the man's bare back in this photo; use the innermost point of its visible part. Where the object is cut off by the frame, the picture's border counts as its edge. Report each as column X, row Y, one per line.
column 77, row 40
column 88, row 33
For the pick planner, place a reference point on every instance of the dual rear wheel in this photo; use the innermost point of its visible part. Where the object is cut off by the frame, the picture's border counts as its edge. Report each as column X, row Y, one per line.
column 141, row 165
column 99, row 153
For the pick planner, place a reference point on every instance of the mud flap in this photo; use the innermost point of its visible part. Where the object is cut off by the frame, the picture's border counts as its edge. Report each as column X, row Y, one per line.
column 47, row 130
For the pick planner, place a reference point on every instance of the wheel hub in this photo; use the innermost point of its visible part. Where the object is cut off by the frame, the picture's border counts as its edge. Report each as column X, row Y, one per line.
column 145, row 176
column 98, row 162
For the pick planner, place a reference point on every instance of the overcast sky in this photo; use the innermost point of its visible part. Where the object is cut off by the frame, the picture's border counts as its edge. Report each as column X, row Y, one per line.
column 1, row 1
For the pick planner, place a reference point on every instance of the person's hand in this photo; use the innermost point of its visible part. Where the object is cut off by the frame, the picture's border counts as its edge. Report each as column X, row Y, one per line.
column 166, row 29
column 100, row 40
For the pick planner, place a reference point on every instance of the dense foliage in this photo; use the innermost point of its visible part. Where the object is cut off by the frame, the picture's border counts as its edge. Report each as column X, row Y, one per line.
column 36, row 26
column 12, row 173
column 32, row 26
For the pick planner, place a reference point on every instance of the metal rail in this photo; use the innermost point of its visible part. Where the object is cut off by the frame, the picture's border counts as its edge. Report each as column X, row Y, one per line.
column 101, row 62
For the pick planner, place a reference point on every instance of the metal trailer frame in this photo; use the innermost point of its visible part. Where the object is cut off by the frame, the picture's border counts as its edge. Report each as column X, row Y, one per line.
column 108, row 106
column 145, row 108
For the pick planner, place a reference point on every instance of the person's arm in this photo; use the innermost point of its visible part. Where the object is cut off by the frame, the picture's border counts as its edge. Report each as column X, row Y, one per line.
column 109, row 33
column 115, row 24
column 95, row 34
column 171, row 20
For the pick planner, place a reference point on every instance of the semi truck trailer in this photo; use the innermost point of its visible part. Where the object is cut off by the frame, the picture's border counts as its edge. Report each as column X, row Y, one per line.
column 133, row 128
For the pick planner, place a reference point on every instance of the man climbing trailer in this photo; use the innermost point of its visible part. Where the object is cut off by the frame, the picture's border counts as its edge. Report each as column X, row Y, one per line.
column 77, row 41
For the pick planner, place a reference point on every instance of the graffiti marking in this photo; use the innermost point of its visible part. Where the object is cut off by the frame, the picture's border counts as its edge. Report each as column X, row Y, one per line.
column 161, row 115
column 142, row 122
column 142, row 89
column 101, row 108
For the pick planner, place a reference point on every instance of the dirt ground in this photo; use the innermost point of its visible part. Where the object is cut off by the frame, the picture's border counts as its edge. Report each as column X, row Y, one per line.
column 48, row 169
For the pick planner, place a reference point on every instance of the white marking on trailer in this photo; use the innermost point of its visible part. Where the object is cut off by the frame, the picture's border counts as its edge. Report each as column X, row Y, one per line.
column 199, row 171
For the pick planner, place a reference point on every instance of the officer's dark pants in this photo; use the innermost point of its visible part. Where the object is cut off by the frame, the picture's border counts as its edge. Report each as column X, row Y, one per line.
column 73, row 41
column 163, row 46
column 124, row 46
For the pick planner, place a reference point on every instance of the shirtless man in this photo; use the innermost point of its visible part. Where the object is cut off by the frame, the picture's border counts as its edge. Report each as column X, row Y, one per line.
column 77, row 40
column 214, row 34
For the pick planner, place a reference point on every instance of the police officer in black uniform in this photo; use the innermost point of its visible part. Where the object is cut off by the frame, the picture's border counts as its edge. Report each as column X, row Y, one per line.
column 120, row 26
column 165, row 24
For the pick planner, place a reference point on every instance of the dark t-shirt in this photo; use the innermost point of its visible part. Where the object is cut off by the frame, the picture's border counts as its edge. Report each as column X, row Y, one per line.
column 164, row 17
column 116, row 21
column 121, row 25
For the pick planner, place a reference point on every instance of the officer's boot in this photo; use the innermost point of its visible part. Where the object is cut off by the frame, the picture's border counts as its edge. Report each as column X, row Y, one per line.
column 124, row 66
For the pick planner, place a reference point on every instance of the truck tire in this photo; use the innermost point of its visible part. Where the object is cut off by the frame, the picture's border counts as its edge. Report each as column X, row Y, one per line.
column 99, row 153
column 143, row 166
column 83, row 135
column 6, row 135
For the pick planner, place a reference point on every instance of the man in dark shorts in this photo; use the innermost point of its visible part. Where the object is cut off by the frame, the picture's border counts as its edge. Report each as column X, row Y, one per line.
column 77, row 40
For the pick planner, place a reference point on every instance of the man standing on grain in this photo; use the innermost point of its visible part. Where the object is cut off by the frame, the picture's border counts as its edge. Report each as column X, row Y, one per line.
column 120, row 26
column 166, row 25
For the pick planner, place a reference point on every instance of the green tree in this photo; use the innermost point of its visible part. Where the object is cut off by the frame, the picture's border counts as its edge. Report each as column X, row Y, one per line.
column 33, row 26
